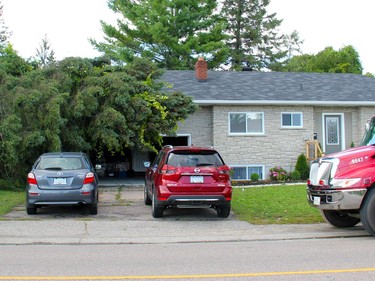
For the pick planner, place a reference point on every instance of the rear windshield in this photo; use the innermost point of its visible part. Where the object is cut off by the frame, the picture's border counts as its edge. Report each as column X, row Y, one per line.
column 194, row 159
column 60, row 163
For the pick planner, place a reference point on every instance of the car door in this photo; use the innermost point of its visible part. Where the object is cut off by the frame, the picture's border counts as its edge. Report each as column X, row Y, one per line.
column 151, row 172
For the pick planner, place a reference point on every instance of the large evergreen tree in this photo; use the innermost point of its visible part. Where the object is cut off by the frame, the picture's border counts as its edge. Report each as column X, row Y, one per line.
column 172, row 33
column 254, row 41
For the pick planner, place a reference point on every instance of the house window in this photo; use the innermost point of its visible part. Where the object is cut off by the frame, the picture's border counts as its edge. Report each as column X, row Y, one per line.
column 246, row 123
column 244, row 172
column 291, row 120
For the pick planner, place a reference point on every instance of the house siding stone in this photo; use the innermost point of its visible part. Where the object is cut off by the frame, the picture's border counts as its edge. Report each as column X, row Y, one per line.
column 277, row 147
column 198, row 126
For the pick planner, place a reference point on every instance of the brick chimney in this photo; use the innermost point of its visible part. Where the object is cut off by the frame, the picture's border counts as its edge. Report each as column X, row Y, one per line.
column 201, row 69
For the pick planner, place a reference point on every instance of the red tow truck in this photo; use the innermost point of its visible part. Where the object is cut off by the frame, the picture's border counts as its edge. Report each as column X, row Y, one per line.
column 342, row 185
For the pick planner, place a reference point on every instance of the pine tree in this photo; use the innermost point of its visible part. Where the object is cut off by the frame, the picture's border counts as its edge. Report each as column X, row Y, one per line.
column 171, row 33
column 254, row 37
column 45, row 55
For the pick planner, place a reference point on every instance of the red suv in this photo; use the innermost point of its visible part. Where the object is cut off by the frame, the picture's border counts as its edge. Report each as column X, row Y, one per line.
column 188, row 176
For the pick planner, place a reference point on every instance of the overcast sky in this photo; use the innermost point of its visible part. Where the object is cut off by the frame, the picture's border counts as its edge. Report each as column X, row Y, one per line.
column 69, row 23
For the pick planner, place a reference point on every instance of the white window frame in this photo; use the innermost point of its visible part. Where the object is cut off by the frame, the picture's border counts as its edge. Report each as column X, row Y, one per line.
column 248, row 176
column 246, row 133
column 291, row 126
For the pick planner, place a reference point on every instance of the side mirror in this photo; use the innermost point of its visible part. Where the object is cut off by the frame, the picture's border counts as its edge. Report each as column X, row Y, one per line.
column 147, row 164
column 98, row 167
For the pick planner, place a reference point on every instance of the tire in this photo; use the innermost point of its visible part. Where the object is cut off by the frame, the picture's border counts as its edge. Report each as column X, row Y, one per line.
column 93, row 209
column 367, row 212
column 223, row 211
column 146, row 198
column 339, row 219
column 157, row 210
column 31, row 210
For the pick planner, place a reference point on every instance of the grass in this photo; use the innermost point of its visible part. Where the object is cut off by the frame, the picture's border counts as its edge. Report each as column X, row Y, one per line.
column 9, row 199
column 282, row 204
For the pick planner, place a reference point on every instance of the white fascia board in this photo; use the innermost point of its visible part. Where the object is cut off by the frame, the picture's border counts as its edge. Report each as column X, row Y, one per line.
column 284, row 102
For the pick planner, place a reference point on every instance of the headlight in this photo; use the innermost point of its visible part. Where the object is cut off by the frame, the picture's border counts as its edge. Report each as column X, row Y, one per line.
column 343, row 183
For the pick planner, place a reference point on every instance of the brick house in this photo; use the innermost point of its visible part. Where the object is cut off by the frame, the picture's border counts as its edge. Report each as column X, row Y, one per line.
column 259, row 120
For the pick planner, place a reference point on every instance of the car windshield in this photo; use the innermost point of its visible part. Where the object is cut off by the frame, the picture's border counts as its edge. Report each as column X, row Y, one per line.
column 194, row 159
column 60, row 163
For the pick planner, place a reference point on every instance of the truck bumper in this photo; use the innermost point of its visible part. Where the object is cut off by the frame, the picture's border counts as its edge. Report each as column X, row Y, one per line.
column 335, row 199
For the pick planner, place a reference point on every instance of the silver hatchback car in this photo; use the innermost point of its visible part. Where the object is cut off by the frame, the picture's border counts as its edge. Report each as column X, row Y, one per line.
column 64, row 178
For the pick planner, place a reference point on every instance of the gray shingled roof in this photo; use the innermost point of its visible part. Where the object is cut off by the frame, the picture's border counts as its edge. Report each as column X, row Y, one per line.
column 249, row 87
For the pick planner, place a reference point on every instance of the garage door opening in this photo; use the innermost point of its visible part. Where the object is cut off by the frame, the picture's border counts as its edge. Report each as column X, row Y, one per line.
column 176, row 141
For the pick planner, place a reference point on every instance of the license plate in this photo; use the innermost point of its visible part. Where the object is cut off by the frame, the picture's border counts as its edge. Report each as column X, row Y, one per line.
column 316, row 201
column 196, row 179
column 59, row 181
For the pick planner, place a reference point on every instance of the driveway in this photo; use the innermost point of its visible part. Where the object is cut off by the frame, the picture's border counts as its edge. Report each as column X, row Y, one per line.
column 115, row 203
column 124, row 219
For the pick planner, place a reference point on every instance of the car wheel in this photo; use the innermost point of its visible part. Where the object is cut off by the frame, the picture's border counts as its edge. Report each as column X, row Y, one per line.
column 146, row 198
column 339, row 219
column 31, row 210
column 93, row 209
column 157, row 211
column 367, row 212
column 223, row 211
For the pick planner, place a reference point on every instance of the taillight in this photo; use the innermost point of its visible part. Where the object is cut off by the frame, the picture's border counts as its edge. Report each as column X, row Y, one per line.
column 223, row 170
column 31, row 179
column 168, row 170
column 89, row 178
column 223, row 173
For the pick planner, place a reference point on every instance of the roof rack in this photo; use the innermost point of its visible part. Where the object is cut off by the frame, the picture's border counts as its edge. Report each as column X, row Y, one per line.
column 168, row 146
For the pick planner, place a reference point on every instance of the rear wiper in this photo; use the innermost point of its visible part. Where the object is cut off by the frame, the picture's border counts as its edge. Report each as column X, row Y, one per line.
column 204, row 164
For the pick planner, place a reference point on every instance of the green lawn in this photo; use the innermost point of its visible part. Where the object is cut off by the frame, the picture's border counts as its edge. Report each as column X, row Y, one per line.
column 9, row 199
column 283, row 204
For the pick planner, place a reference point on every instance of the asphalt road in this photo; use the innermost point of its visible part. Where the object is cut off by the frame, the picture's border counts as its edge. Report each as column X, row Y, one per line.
column 305, row 259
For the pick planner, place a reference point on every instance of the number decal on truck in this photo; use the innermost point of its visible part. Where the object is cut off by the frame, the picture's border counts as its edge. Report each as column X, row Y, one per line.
column 356, row 161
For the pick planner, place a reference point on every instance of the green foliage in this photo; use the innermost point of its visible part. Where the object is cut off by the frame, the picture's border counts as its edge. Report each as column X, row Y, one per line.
column 346, row 60
column 45, row 55
column 295, row 175
column 11, row 63
column 76, row 106
column 274, row 205
column 254, row 177
column 302, row 166
column 278, row 173
column 170, row 33
column 254, row 41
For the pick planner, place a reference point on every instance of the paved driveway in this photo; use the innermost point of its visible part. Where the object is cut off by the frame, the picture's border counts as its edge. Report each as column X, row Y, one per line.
column 123, row 218
column 115, row 203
